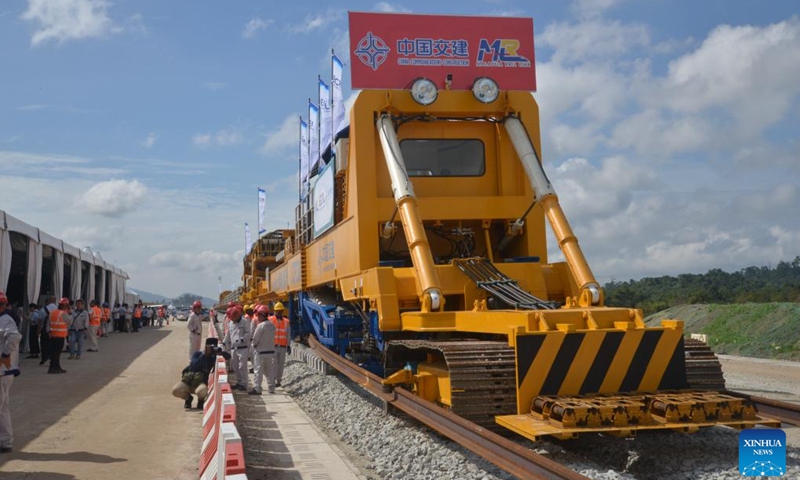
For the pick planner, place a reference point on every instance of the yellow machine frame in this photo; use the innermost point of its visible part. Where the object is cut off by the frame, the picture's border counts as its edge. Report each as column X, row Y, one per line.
column 583, row 349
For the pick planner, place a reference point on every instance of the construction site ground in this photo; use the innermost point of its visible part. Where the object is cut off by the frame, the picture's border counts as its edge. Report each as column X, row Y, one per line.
column 112, row 415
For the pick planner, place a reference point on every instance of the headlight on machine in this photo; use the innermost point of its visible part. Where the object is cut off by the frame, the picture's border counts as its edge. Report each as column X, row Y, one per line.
column 485, row 90
column 424, row 91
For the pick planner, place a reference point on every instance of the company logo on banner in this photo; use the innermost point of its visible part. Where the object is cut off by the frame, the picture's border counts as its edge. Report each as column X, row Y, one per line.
column 392, row 50
column 323, row 199
column 762, row 452
column 372, row 51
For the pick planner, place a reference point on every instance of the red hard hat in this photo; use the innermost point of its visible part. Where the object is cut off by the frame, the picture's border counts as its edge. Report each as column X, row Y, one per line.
column 3, row 297
column 237, row 310
column 231, row 304
column 197, row 303
column 64, row 301
column 262, row 309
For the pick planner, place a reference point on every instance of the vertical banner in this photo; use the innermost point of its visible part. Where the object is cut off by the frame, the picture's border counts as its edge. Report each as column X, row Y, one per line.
column 304, row 167
column 246, row 238
column 325, row 120
column 262, row 209
column 313, row 135
column 337, row 99
column 323, row 197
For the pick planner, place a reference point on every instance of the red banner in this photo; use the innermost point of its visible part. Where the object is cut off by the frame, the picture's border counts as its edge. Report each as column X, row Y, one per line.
column 392, row 50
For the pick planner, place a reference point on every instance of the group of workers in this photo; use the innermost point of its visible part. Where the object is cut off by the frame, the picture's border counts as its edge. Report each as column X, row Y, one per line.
column 249, row 332
column 68, row 324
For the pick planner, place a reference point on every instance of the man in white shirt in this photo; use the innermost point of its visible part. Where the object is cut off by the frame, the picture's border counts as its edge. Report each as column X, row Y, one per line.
column 237, row 342
column 195, row 327
column 264, row 351
column 9, row 366
column 77, row 331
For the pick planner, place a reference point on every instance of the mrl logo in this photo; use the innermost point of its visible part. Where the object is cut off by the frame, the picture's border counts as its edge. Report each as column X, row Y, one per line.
column 501, row 52
column 762, row 452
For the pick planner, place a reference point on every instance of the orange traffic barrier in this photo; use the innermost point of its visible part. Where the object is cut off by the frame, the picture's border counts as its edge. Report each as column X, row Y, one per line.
column 222, row 453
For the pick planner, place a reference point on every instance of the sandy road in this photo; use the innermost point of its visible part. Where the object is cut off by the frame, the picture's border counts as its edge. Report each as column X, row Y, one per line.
column 778, row 379
column 110, row 417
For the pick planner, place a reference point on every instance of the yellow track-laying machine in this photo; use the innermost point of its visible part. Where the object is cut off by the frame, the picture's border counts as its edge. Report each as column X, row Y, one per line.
column 420, row 251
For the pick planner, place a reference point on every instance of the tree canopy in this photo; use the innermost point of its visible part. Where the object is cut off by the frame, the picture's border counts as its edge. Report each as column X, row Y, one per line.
column 780, row 283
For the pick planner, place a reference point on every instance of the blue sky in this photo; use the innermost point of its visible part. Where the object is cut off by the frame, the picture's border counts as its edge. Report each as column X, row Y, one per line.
column 143, row 128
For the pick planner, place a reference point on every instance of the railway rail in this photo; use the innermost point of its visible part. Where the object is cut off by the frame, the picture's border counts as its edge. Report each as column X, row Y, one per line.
column 783, row 411
column 511, row 457
column 504, row 453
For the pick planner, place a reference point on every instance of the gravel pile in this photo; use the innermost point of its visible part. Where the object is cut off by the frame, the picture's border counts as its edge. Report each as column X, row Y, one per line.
column 397, row 448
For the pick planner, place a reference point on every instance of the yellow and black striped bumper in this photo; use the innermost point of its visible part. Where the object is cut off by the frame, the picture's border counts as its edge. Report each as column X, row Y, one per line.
column 598, row 361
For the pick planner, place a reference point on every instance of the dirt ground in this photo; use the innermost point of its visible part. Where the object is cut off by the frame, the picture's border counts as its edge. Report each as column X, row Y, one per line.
column 779, row 379
column 110, row 417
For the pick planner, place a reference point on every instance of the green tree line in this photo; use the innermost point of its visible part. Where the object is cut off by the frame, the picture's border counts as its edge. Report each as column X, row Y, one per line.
column 780, row 283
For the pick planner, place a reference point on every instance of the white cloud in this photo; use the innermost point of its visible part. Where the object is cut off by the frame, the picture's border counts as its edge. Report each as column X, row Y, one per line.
column 594, row 8
column 114, row 198
column 317, row 21
column 650, row 132
column 201, row 139
column 228, row 137
column 151, row 140
column 595, row 90
column 252, row 27
column 387, row 7
column 507, row 13
column 205, row 261
column 591, row 192
column 64, row 20
column 750, row 71
column 27, row 163
column 592, row 39
column 103, row 238
column 135, row 24
column 284, row 137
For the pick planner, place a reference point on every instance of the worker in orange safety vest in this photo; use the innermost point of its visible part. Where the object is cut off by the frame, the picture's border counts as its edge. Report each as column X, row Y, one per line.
column 137, row 317
column 282, row 335
column 95, row 317
column 60, row 321
column 104, row 321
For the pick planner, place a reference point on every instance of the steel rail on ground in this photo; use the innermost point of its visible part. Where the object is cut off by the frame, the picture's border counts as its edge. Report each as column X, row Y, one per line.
column 783, row 411
column 511, row 457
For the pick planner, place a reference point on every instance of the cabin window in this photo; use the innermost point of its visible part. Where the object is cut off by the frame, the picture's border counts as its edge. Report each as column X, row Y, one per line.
column 443, row 157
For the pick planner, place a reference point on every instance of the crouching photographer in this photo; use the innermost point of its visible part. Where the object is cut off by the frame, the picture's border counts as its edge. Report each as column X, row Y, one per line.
column 194, row 378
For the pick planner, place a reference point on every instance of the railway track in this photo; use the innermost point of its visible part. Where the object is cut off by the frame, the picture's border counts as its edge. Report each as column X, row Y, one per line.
column 511, row 457
column 783, row 411
column 506, row 454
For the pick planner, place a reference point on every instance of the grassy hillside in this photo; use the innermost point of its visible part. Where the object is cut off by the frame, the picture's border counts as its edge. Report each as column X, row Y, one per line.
column 766, row 330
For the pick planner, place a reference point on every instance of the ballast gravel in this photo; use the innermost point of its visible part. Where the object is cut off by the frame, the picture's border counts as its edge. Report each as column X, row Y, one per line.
column 399, row 448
